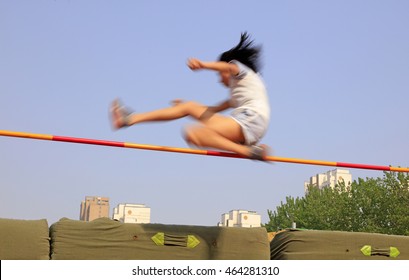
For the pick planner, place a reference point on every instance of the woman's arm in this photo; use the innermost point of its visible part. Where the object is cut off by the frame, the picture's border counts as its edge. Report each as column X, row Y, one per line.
column 220, row 66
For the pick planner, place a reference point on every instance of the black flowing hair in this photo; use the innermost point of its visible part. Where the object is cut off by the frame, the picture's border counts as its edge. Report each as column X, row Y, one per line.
column 245, row 52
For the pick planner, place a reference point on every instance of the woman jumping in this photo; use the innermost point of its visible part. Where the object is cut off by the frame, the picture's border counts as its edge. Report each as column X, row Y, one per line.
column 239, row 133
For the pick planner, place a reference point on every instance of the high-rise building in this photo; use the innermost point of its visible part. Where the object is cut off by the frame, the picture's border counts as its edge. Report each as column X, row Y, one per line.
column 132, row 213
column 240, row 218
column 329, row 179
column 94, row 207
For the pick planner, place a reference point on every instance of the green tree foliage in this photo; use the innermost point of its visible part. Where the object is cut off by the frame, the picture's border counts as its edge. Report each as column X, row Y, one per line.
column 378, row 205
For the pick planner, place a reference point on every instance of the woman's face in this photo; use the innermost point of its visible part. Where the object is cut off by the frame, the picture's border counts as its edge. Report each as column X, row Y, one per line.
column 225, row 77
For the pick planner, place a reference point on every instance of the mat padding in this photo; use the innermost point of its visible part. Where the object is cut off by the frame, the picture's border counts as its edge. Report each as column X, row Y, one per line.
column 24, row 239
column 107, row 239
column 337, row 245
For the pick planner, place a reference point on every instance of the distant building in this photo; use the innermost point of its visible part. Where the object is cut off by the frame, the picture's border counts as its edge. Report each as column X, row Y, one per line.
column 329, row 179
column 94, row 207
column 240, row 218
column 132, row 213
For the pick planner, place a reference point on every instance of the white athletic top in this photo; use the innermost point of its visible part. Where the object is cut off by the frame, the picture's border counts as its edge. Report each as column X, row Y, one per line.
column 247, row 91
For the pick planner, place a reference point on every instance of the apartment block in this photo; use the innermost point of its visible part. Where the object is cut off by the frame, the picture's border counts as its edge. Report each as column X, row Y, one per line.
column 132, row 213
column 329, row 179
column 240, row 218
column 94, row 207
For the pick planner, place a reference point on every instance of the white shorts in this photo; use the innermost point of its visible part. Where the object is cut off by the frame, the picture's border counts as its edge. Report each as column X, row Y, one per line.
column 252, row 124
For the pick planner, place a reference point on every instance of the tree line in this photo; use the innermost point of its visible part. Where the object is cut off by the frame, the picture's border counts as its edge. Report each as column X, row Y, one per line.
column 377, row 205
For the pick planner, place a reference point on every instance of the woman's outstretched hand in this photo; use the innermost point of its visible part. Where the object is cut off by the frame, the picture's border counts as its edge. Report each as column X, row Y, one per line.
column 194, row 64
column 176, row 102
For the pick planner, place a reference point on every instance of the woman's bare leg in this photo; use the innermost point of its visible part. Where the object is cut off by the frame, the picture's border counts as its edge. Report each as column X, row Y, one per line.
column 179, row 110
column 205, row 137
column 219, row 132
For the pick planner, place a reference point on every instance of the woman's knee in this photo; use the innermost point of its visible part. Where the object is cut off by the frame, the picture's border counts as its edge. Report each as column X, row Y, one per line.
column 193, row 134
column 192, row 108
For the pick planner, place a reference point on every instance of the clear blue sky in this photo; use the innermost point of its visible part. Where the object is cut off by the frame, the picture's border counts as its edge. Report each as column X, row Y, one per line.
column 337, row 74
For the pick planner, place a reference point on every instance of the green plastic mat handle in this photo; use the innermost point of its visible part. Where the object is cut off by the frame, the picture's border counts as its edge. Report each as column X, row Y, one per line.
column 392, row 252
column 163, row 239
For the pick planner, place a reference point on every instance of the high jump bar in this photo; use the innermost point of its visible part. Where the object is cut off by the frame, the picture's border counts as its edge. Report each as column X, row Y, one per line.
column 87, row 141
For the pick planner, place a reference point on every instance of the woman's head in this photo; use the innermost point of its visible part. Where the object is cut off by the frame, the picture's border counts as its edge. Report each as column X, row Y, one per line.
column 245, row 52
